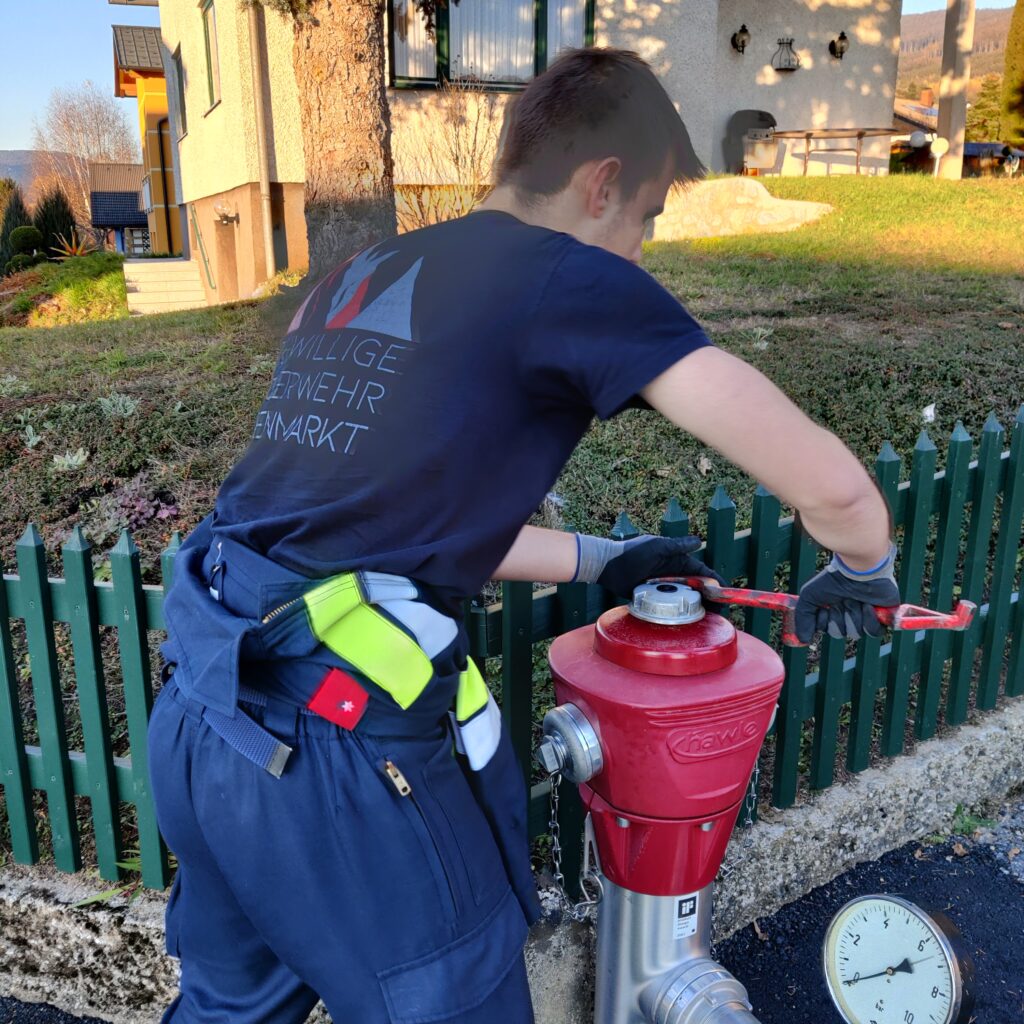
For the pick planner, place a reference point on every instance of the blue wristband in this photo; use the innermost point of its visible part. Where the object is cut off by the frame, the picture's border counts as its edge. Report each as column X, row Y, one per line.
column 889, row 558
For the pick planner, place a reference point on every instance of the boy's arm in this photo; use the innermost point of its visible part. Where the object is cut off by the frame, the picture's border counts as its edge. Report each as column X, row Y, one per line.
column 734, row 408
column 539, row 554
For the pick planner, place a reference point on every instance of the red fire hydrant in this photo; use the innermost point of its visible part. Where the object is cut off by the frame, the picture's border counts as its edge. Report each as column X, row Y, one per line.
column 663, row 708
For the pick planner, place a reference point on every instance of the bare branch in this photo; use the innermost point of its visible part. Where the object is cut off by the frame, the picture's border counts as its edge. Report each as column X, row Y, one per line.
column 81, row 124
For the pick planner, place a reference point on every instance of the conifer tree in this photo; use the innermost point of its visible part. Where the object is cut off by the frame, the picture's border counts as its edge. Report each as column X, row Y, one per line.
column 54, row 217
column 15, row 216
column 1012, row 122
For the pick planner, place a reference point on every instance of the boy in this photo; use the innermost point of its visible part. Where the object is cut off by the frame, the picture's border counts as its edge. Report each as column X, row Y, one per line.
column 427, row 395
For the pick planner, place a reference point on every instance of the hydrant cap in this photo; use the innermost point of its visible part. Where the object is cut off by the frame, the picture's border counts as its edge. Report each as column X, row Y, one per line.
column 690, row 649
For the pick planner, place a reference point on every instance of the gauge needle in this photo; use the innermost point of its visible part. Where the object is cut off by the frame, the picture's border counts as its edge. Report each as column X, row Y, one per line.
column 907, row 966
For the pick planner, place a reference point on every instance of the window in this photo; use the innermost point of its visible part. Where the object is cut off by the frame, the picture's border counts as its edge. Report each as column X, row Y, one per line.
column 212, row 60
column 179, row 83
column 505, row 42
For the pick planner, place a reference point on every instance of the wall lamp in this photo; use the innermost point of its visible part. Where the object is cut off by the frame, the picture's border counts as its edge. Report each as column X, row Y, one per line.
column 224, row 212
column 741, row 39
column 839, row 46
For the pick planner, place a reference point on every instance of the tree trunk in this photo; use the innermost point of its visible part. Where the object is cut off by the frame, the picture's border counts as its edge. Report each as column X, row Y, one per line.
column 346, row 129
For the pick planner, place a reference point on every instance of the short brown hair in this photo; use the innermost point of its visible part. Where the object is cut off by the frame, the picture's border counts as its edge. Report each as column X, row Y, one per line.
column 592, row 103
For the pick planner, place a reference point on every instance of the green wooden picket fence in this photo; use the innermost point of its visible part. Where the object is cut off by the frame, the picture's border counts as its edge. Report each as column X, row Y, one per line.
column 947, row 520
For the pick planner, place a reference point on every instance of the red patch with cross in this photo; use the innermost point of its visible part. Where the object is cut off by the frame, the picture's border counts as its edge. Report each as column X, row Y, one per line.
column 339, row 699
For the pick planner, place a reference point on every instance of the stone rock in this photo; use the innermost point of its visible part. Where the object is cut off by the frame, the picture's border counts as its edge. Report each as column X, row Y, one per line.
column 730, row 206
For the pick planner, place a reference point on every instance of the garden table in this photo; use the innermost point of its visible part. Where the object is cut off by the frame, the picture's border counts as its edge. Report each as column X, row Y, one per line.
column 809, row 134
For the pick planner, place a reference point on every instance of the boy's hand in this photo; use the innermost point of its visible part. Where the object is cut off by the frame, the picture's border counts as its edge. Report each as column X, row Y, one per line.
column 843, row 600
column 621, row 566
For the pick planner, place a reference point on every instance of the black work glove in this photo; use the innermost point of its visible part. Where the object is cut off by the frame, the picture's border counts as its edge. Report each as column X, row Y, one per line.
column 622, row 565
column 842, row 601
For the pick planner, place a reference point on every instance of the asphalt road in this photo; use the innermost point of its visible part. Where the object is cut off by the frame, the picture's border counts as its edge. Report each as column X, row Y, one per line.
column 976, row 880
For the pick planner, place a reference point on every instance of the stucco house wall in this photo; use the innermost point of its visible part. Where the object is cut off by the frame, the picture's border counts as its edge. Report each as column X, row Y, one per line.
column 688, row 43
column 856, row 91
column 217, row 154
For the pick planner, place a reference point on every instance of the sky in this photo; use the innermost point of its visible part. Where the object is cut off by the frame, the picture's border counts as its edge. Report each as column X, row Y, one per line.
column 50, row 43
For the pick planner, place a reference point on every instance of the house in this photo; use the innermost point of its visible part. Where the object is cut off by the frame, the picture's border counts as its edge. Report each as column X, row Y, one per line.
column 139, row 72
column 236, row 117
column 115, row 201
column 806, row 67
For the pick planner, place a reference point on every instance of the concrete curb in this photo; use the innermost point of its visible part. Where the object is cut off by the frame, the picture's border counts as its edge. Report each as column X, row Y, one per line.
column 107, row 960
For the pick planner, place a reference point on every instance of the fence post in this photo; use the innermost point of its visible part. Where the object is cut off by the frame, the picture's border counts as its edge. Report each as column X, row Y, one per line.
column 16, row 779
column 138, row 701
column 764, row 534
column 1003, row 570
column 572, row 604
column 675, row 522
column 940, row 596
column 867, row 671
column 915, row 544
column 92, row 702
column 517, row 669
column 790, row 718
column 167, row 557
column 60, row 792
column 721, row 534
column 983, row 502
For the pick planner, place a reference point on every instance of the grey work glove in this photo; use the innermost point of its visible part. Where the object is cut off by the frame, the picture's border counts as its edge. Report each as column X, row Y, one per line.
column 622, row 565
column 841, row 600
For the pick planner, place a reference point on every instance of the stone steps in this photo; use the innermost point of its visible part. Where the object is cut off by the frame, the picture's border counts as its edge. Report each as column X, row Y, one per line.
column 163, row 285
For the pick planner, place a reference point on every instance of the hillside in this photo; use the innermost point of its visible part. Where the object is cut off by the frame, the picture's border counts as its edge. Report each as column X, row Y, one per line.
column 921, row 46
column 19, row 165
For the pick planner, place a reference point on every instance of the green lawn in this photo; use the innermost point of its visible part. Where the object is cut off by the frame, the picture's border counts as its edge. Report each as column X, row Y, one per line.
column 910, row 293
column 77, row 290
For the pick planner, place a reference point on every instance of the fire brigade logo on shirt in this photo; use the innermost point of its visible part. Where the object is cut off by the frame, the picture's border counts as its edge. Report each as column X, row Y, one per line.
column 339, row 699
column 358, row 301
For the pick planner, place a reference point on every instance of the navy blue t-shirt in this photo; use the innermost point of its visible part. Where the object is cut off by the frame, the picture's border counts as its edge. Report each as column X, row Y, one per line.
column 429, row 392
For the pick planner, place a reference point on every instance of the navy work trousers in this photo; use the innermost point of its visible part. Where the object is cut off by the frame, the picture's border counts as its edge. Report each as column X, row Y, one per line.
column 327, row 882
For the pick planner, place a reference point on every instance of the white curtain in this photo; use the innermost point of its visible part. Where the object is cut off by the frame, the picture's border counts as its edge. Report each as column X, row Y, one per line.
column 491, row 39
column 566, row 25
column 488, row 39
column 415, row 53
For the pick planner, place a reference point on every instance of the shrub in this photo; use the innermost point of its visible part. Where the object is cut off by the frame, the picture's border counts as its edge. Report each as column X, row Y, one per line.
column 26, row 239
column 15, row 216
column 22, row 261
column 54, row 217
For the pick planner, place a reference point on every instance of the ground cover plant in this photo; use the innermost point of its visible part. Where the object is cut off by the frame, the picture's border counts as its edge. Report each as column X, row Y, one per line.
column 909, row 295
column 78, row 289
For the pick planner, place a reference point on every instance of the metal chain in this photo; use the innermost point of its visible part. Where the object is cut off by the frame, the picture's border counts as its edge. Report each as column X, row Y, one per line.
column 750, row 801
column 574, row 911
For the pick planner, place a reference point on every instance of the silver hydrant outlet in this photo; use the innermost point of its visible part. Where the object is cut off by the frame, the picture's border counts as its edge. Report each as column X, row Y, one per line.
column 654, row 962
column 700, row 991
column 570, row 745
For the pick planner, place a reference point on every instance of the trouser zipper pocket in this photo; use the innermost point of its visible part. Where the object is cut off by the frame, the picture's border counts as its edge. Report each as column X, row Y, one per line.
column 418, row 817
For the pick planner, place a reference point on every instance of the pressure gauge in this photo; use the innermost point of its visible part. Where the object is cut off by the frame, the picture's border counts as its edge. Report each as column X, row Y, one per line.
column 889, row 962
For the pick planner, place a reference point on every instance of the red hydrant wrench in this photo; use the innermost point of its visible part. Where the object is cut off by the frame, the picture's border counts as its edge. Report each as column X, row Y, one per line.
column 901, row 616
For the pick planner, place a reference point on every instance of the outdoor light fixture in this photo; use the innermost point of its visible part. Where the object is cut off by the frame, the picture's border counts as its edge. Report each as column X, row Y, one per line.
column 785, row 58
column 839, row 46
column 224, row 213
column 740, row 39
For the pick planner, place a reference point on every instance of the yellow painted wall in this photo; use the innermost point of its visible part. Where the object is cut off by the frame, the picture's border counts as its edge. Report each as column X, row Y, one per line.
column 151, row 93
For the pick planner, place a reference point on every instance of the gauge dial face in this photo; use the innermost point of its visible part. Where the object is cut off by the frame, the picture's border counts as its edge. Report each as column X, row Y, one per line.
column 887, row 962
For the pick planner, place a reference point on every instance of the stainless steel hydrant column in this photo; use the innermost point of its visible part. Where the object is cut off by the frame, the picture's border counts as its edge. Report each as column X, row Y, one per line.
column 663, row 709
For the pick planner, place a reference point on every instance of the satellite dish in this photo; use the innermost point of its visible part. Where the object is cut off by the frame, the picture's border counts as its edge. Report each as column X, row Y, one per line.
column 918, row 139
column 940, row 147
